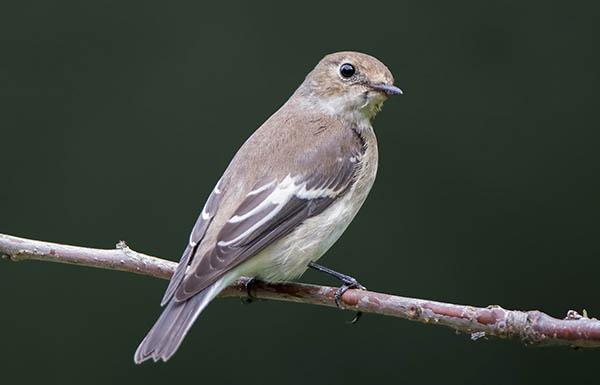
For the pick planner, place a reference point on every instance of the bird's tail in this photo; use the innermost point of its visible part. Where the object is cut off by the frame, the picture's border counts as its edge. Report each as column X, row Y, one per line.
column 163, row 340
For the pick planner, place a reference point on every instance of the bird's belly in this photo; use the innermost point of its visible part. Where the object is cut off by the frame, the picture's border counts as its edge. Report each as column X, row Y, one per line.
column 289, row 257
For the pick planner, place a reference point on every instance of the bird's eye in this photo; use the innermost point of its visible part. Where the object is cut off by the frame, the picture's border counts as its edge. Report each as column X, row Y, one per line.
column 347, row 70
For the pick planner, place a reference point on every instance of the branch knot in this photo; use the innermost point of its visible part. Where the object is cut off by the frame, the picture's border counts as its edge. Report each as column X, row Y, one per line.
column 532, row 327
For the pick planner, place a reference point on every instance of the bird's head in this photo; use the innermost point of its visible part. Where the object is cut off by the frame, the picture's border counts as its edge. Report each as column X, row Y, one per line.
column 349, row 84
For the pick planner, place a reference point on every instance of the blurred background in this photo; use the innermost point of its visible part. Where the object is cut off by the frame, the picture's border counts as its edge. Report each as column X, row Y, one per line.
column 117, row 118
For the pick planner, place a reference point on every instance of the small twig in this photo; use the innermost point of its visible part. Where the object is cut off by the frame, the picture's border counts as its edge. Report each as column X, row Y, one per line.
column 531, row 327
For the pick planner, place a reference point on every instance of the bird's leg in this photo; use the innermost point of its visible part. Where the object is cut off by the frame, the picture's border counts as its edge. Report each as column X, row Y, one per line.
column 249, row 296
column 348, row 282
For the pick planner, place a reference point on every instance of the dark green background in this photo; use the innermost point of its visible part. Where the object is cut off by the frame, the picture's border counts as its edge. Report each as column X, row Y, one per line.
column 118, row 118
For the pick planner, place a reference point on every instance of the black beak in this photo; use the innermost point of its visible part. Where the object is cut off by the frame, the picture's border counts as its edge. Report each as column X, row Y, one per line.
column 388, row 89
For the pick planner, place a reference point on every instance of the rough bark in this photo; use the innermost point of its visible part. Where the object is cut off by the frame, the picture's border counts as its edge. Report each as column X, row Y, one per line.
column 531, row 327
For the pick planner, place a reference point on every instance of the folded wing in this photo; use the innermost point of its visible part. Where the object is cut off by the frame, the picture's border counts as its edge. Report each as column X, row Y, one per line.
column 273, row 209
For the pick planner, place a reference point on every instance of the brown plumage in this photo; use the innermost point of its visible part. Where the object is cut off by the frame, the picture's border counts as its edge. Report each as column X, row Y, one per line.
column 287, row 195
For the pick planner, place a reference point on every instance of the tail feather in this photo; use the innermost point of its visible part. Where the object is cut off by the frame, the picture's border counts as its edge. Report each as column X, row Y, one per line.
column 165, row 337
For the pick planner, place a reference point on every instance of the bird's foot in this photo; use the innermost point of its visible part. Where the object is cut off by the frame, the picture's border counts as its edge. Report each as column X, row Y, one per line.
column 348, row 283
column 249, row 296
column 351, row 283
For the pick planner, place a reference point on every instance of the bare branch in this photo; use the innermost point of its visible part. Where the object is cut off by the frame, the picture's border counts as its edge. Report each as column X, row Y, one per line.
column 530, row 327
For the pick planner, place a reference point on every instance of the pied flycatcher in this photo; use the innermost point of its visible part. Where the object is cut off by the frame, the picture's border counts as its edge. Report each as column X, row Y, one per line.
column 288, row 194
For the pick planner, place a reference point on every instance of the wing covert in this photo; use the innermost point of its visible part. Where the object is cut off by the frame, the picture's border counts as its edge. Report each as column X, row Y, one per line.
column 271, row 210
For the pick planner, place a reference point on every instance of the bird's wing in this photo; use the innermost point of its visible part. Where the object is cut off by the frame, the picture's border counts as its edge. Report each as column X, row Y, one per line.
column 275, row 207
column 198, row 231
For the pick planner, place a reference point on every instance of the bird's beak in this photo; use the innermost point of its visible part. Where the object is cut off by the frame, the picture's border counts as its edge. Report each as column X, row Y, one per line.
column 388, row 89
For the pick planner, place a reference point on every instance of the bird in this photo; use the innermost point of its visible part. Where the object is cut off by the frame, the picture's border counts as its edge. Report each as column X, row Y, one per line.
column 286, row 197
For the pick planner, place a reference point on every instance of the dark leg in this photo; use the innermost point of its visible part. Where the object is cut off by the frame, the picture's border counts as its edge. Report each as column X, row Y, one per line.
column 348, row 282
column 250, row 297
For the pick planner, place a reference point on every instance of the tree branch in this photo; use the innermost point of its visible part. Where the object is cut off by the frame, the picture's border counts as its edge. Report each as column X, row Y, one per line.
column 530, row 327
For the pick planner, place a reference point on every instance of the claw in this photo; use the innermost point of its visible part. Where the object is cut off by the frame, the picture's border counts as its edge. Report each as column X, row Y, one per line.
column 357, row 316
column 249, row 296
column 348, row 284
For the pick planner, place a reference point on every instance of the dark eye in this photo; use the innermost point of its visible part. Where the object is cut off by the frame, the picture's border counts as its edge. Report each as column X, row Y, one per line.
column 347, row 70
